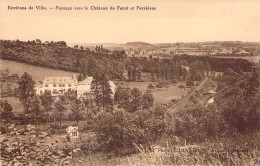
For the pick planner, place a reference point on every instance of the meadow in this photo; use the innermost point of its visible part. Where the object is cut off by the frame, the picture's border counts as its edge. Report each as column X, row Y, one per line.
column 38, row 73
column 161, row 95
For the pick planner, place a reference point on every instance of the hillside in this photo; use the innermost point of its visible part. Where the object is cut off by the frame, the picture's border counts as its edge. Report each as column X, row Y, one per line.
column 59, row 56
column 48, row 55
column 38, row 73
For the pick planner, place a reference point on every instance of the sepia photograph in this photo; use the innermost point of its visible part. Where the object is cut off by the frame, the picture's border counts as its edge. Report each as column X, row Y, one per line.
column 129, row 82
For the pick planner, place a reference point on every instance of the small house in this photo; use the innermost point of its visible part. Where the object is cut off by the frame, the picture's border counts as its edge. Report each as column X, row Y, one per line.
column 73, row 132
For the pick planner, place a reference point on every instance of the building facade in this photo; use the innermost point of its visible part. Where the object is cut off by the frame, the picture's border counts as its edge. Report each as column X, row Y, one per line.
column 62, row 84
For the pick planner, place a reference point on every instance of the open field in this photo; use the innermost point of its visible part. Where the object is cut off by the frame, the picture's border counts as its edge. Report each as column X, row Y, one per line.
column 161, row 95
column 38, row 73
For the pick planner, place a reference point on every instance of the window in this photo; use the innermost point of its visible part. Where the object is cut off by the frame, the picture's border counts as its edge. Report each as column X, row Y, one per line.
column 74, row 132
column 61, row 85
column 69, row 85
column 46, row 85
column 54, row 85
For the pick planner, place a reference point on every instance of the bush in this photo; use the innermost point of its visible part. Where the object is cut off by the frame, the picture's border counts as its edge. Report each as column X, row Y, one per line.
column 159, row 85
column 193, row 99
column 29, row 150
column 118, row 130
column 190, row 83
column 3, row 130
column 174, row 101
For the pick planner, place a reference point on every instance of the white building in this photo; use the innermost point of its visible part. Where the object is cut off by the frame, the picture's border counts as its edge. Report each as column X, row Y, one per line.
column 57, row 85
column 60, row 85
column 84, row 86
column 73, row 132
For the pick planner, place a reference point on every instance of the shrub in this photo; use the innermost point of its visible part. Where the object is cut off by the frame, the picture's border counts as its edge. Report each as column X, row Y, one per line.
column 30, row 150
column 193, row 99
column 118, row 130
column 174, row 101
column 3, row 130
column 159, row 85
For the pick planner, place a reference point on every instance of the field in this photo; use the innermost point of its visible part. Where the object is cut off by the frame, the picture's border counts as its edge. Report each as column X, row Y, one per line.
column 38, row 73
column 161, row 95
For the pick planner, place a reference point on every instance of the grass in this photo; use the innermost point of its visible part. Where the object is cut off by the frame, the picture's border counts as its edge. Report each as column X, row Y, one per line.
column 161, row 95
column 38, row 73
column 192, row 155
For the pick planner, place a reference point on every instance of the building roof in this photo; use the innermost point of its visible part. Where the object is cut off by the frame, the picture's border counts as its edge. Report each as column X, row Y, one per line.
column 88, row 80
column 59, row 80
column 38, row 83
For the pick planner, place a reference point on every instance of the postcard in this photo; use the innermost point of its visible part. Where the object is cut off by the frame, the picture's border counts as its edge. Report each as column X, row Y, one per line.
column 129, row 82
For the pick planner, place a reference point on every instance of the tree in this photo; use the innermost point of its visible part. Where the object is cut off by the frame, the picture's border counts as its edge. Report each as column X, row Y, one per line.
column 88, row 101
column 207, row 68
column 34, row 109
column 60, row 108
column 47, row 103
column 118, row 130
column 122, row 98
column 107, row 100
column 147, row 100
column 238, row 97
column 181, row 87
column 136, row 99
column 6, row 113
column 38, row 41
column 196, row 71
column 77, row 110
column 150, row 87
column 26, row 88
column 97, row 92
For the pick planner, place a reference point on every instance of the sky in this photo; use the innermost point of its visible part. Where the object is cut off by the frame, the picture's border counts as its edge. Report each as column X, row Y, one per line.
column 172, row 21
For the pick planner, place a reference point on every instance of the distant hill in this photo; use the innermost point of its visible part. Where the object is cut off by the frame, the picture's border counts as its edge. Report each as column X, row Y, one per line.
column 139, row 44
